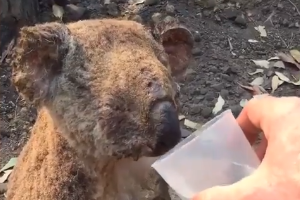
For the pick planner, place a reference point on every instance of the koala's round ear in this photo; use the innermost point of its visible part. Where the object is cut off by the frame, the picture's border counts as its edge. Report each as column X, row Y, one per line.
column 37, row 58
column 178, row 43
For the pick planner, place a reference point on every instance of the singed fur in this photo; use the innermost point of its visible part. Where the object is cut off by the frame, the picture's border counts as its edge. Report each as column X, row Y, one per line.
column 94, row 83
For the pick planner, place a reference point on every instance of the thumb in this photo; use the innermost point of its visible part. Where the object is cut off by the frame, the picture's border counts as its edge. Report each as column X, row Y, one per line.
column 241, row 190
column 216, row 193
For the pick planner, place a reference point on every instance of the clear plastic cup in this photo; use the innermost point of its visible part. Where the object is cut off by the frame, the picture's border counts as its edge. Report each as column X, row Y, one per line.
column 217, row 154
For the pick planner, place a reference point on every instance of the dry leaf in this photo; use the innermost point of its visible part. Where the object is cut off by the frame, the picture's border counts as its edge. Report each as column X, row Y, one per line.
column 58, row 11
column 296, row 55
column 246, row 87
column 252, row 41
column 279, row 64
column 255, row 90
column 286, row 79
column 288, row 58
column 273, row 58
column 191, row 124
column 261, row 30
column 296, row 83
column 11, row 163
column 276, row 82
column 262, row 63
column 219, row 105
column 5, row 176
column 243, row 102
column 181, row 117
column 257, row 81
column 256, row 72
column 137, row 2
column 283, row 77
column 258, row 90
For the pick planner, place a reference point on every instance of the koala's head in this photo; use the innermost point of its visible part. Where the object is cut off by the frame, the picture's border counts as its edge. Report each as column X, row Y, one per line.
column 107, row 84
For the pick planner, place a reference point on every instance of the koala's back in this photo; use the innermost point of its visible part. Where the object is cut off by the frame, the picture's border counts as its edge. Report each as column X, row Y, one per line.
column 49, row 169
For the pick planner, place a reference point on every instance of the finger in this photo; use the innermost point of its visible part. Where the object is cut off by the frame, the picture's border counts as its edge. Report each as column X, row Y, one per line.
column 215, row 193
column 267, row 113
column 252, row 116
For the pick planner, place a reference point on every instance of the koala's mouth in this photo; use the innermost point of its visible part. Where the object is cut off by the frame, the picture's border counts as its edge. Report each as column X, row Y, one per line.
column 145, row 151
column 154, row 150
column 162, row 134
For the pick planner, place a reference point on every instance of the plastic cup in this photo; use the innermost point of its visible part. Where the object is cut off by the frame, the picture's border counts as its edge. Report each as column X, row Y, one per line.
column 217, row 154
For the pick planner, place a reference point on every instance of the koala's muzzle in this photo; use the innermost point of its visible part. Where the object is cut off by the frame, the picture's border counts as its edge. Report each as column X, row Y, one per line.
column 166, row 124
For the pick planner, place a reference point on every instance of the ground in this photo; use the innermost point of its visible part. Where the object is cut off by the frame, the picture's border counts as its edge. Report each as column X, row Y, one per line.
column 222, row 55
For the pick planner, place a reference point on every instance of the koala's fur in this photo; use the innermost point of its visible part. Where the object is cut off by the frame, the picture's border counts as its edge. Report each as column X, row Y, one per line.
column 93, row 83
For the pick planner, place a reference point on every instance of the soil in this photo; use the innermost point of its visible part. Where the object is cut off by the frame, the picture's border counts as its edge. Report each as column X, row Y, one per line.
column 218, row 67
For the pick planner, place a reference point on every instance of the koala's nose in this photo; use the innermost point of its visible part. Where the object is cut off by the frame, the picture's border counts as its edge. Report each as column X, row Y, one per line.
column 167, row 127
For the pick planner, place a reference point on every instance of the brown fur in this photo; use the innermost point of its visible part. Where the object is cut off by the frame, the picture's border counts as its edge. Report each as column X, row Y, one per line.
column 95, row 83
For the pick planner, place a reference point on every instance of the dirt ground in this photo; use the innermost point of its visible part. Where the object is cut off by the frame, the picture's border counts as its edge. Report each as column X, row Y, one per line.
column 218, row 67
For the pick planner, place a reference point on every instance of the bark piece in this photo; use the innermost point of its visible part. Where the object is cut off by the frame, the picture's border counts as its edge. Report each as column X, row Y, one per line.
column 24, row 11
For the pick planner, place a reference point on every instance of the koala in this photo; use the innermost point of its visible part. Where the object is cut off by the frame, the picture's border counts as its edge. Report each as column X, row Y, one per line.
column 107, row 107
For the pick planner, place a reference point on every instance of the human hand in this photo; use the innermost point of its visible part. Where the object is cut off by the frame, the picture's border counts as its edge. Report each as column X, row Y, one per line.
column 278, row 176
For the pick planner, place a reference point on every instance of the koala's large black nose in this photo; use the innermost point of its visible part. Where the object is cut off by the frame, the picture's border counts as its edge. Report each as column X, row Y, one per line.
column 167, row 127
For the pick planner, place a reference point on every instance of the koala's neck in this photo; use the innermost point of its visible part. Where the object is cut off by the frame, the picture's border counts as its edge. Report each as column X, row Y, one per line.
column 122, row 179
column 113, row 179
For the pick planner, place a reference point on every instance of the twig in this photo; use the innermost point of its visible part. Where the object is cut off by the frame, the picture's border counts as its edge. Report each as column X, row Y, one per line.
column 285, row 44
column 8, row 50
column 295, row 7
column 16, row 106
column 270, row 17
column 291, row 40
column 230, row 46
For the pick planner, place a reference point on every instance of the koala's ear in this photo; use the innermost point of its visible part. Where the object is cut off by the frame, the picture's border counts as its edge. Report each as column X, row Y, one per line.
column 37, row 58
column 177, row 41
